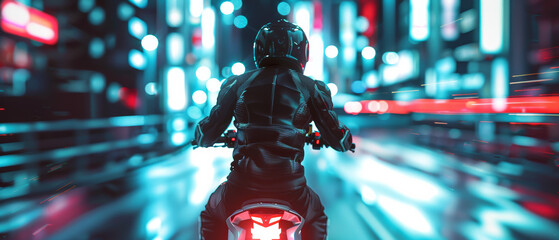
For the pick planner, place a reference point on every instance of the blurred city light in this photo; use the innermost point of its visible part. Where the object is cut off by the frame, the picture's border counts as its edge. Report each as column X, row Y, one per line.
column 303, row 16
column 315, row 65
column 174, row 16
column 139, row 3
column 125, row 11
column 213, row 85
column 361, row 42
column 237, row 3
column 208, row 29
column 150, row 42
column 154, row 225
column 491, row 26
column 358, row 87
column 97, row 16
column 151, row 88
column 390, row 58
column 199, row 97
column 176, row 89
column 29, row 23
column 333, row 88
column 348, row 12
column 284, row 8
column 362, row 24
column 97, row 83
column 449, row 29
column 368, row 53
column 353, row 107
column 137, row 27
column 137, row 59
column 85, row 5
column 240, row 21
column 499, row 84
column 178, row 138
column 113, row 92
column 373, row 106
column 430, row 82
column 196, row 8
column 419, row 15
column 371, row 79
column 96, row 48
column 331, row 51
column 175, row 48
column 227, row 7
column 194, row 112
column 203, row 73
column 238, row 68
column 179, row 124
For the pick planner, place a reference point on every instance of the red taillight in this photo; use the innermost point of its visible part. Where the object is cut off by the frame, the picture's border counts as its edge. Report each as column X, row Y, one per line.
column 232, row 139
column 265, row 228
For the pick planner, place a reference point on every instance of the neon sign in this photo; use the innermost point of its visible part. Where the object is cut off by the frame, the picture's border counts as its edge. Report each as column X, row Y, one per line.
column 28, row 22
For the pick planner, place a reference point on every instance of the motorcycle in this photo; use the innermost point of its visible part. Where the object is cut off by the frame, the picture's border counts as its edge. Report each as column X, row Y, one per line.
column 266, row 219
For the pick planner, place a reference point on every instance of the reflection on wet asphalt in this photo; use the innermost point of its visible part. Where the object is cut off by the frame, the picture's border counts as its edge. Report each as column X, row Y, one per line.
column 386, row 190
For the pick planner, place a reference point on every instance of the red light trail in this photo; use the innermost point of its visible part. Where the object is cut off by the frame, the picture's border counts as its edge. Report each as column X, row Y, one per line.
column 522, row 106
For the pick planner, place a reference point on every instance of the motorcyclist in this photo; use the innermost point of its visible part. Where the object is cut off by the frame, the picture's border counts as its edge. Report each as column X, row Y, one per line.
column 273, row 106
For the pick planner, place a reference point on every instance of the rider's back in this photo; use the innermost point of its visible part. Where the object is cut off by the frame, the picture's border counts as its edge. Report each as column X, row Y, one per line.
column 271, row 116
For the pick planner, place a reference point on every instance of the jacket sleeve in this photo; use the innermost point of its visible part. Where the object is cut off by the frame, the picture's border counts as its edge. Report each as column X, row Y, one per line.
column 333, row 132
column 210, row 128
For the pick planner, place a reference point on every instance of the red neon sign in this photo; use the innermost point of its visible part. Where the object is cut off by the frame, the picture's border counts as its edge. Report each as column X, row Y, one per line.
column 28, row 22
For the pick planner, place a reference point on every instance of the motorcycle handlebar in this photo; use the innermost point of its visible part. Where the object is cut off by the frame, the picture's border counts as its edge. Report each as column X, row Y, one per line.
column 229, row 138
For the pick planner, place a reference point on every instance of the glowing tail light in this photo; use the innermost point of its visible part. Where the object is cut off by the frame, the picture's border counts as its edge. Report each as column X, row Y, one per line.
column 264, row 221
column 27, row 22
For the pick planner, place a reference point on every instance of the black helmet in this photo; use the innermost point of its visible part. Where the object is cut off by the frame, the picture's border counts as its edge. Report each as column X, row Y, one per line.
column 281, row 42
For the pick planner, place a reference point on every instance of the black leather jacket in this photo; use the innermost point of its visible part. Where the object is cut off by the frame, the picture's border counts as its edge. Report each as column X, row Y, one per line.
column 272, row 107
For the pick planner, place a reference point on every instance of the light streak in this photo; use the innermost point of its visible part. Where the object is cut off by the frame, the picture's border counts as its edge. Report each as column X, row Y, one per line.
column 405, row 91
column 427, row 84
column 464, row 94
column 444, row 25
column 51, row 198
column 531, row 81
column 441, row 123
column 471, row 97
column 531, row 74
column 535, row 114
column 554, row 67
column 523, row 90
column 64, row 186
column 40, row 229
column 532, row 123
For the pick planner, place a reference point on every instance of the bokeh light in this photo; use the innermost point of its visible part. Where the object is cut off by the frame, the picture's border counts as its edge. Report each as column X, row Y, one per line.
column 227, row 7
column 150, row 43
column 284, row 8
column 203, row 73
column 199, row 97
column 238, row 68
column 240, row 21
column 331, row 51
column 368, row 52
